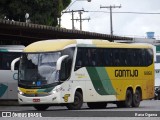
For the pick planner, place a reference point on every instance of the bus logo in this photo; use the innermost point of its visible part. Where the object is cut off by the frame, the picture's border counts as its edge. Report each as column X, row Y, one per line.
column 38, row 83
column 66, row 96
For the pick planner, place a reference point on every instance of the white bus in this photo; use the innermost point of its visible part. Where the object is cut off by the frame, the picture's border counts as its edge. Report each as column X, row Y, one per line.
column 8, row 79
column 70, row 72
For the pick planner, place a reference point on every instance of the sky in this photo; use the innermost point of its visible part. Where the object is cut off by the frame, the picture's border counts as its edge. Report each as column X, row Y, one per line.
column 133, row 25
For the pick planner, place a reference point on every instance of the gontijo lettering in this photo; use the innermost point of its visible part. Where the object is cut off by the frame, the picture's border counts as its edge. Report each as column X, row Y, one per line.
column 126, row 73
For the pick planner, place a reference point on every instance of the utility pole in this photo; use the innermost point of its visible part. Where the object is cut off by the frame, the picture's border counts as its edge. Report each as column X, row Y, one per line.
column 81, row 19
column 73, row 11
column 110, row 7
column 59, row 22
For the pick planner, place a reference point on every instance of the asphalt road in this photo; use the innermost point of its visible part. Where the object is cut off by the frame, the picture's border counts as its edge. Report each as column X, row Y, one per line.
column 148, row 109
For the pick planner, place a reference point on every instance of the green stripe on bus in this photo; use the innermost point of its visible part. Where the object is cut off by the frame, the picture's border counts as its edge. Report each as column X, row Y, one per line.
column 3, row 89
column 100, row 80
column 3, row 50
column 106, row 82
column 95, row 78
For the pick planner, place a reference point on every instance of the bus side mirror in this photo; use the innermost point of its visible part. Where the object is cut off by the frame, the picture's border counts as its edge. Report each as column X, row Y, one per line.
column 13, row 63
column 59, row 62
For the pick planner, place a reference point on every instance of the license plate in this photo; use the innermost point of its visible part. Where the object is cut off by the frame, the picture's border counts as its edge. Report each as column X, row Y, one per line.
column 36, row 100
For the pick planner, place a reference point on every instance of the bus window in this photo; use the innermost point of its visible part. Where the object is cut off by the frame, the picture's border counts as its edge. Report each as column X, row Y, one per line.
column 149, row 56
column 92, row 55
column 79, row 59
column 129, row 57
column 116, row 57
column 6, row 59
column 122, row 57
column 143, row 57
column 67, row 63
column 108, row 57
column 100, row 57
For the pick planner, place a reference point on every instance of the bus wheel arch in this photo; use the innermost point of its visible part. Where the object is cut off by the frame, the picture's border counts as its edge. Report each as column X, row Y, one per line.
column 79, row 90
column 78, row 100
column 137, row 97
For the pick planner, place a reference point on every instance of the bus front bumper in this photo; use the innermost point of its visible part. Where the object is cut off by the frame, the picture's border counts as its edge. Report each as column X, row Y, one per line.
column 50, row 99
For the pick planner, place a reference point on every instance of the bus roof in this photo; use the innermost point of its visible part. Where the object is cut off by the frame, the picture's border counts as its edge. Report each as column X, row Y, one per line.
column 60, row 44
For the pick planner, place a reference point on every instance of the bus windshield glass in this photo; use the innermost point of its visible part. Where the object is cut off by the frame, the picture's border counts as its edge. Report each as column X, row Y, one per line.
column 39, row 67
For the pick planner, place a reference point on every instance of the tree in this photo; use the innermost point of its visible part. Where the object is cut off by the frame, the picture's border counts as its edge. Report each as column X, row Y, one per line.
column 43, row 12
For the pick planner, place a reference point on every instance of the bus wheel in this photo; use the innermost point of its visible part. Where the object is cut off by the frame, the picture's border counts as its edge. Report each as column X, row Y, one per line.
column 97, row 105
column 136, row 99
column 78, row 101
column 128, row 100
column 41, row 107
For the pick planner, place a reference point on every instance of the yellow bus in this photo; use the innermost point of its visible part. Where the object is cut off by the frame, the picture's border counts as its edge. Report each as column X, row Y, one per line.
column 96, row 72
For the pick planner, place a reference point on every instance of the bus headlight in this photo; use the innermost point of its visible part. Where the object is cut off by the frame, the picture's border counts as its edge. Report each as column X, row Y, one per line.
column 20, row 92
column 52, row 92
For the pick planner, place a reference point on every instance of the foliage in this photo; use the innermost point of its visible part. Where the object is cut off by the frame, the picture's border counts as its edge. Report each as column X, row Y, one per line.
column 40, row 11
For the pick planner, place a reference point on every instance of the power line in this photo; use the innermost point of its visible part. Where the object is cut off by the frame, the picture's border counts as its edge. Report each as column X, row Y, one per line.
column 125, row 12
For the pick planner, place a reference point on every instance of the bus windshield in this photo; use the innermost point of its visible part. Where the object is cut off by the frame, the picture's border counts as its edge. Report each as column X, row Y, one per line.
column 39, row 67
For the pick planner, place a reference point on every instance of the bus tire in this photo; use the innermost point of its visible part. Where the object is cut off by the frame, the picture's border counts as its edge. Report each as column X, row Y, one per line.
column 127, row 102
column 136, row 99
column 97, row 105
column 78, row 101
column 41, row 107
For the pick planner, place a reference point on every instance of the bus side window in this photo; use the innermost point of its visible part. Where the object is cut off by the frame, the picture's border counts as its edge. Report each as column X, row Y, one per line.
column 134, row 58
column 65, row 71
column 143, row 53
column 100, row 57
column 92, row 57
column 116, row 57
column 79, row 59
column 129, row 57
column 86, row 57
column 108, row 56
column 149, row 57
column 6, row 59
column 123, row 57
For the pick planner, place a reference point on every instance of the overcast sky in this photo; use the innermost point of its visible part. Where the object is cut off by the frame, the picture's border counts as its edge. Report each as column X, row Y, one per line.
column 135, row 25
